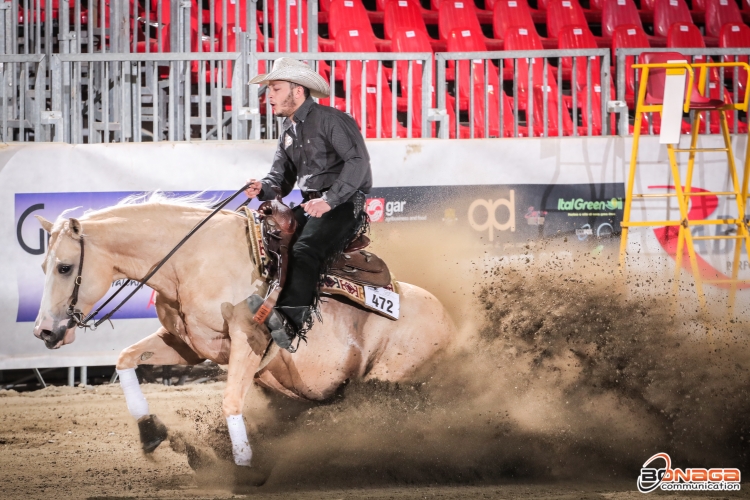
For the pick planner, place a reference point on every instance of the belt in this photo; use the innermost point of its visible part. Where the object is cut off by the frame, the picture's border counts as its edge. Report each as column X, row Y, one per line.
column 312, row 195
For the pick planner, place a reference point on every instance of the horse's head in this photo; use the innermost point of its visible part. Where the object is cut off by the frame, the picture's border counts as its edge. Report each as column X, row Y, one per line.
column 61, row 267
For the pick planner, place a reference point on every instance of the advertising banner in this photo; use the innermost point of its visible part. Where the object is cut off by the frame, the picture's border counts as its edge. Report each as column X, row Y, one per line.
column 496, row 191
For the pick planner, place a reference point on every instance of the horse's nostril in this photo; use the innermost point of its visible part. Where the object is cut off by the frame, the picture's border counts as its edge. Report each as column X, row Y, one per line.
column 46, row 335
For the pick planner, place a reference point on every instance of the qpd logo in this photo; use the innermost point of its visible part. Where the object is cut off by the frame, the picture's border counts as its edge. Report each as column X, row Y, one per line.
column 490, row 207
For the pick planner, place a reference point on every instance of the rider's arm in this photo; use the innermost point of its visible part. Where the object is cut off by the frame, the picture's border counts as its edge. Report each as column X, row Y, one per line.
column 282, row 175
column 356, row 169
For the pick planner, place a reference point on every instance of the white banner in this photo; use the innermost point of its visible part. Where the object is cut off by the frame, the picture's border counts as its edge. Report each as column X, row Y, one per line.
column 45, row 179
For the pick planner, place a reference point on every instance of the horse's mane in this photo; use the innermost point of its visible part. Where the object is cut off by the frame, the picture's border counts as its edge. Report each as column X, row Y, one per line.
column 193, row 200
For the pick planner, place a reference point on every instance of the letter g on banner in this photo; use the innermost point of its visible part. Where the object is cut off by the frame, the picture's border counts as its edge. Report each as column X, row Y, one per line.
column 491, row 223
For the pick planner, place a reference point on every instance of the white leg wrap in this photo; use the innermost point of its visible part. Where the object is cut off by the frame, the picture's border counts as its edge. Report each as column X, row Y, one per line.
column 137, row 404
column 240, row 445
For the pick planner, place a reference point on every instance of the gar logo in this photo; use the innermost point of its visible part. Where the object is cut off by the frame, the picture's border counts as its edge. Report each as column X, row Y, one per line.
column 653, row 477
column 394, row 207
column 581, row 204
column 375, row 208
column 490, row 207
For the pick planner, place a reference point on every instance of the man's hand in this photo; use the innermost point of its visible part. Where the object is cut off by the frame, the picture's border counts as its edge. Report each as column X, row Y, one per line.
column 316, row 207
column 254, row 189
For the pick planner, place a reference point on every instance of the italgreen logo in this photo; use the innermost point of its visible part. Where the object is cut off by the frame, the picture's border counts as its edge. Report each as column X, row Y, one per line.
column 581, row 204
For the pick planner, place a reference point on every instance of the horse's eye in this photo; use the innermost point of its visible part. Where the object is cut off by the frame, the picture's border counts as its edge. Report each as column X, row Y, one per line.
column 64, row 268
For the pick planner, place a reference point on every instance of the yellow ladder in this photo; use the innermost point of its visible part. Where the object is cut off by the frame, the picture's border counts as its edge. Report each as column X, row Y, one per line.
column 685, row 238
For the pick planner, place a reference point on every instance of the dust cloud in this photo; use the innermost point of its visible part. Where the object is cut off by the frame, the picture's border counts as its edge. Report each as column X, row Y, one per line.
column 562, row 369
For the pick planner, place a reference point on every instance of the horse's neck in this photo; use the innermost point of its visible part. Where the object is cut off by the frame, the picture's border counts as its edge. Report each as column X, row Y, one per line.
column 138, row 237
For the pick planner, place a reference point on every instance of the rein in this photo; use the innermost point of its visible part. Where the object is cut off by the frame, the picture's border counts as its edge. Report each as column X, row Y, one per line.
column 76, row 315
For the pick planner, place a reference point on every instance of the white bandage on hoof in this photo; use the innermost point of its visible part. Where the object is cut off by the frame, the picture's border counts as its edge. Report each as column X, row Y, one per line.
column 137, row 404
column 240, row 445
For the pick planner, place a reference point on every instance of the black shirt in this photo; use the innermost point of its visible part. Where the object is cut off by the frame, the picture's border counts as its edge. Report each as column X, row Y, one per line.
column 323, row 152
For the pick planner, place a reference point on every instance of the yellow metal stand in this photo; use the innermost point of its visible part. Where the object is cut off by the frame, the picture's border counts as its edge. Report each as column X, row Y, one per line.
column 683, row 193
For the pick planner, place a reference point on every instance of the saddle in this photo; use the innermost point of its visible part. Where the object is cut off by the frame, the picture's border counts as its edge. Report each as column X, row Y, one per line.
column 279, row 232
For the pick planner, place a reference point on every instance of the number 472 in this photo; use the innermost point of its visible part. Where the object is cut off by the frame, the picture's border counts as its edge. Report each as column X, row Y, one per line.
column 382, row 303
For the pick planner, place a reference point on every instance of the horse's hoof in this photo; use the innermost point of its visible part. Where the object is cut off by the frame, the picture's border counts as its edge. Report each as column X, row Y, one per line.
column 153, row 432
column 248, row 477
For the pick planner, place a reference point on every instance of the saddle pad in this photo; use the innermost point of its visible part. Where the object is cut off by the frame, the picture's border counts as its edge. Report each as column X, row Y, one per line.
column 382, row 300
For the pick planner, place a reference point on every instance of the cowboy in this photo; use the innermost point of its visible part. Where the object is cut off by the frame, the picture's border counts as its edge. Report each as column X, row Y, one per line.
column 321, row 149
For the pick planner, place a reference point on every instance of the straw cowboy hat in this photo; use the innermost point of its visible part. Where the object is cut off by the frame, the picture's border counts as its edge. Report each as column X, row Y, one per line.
column 291, row 70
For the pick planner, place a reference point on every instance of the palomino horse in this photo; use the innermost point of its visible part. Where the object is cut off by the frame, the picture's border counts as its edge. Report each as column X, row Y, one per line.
column 201, row 306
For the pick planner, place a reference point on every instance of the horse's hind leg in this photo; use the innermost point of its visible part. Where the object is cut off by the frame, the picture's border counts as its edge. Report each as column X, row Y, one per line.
column 160, row 348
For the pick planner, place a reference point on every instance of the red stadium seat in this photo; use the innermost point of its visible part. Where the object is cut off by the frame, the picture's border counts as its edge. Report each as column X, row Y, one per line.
column 629, row 37
column 616, row 13
column 698, row 5
column 231, row 6
column 403, row 14
column 352, row 41
column 648, row 5
column 462, row 15
column 543, row 4
column 719, row 13
column 596, row 5
column 294, row 26
column 464, row 41
column 737, row 36
column 509, row 13
column 458, row 14
column 685, row 36
column 562, row 13
column 580, row 37
column 405, row 40
column 668, row 12
column 523, row 39
column 349, row 15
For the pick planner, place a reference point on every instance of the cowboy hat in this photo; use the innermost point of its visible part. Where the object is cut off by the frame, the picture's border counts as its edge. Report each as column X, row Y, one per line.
column 292, row 70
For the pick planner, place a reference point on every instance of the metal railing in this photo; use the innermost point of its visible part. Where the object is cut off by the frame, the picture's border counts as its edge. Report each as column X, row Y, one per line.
column 366, row 85
column 499, row 72
column 148, row 26
column 627, row 57
column 137, row 97
column 23, row 98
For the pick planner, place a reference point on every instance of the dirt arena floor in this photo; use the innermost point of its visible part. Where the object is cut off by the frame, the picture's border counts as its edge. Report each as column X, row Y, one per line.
column 64, row 442
column 564, row 378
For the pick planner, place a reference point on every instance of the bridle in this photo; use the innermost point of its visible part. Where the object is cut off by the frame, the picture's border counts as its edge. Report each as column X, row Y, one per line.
column 76, row 315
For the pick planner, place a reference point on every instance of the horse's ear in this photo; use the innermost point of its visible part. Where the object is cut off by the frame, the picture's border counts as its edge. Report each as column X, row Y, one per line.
column 47, row 225
column 76, row 231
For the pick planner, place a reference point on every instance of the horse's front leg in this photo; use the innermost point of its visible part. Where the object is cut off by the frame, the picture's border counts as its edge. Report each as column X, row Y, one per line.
column 244, row 358
column 160, row 348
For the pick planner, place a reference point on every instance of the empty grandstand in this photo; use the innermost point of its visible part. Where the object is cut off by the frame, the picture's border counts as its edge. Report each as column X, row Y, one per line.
column 87, row 71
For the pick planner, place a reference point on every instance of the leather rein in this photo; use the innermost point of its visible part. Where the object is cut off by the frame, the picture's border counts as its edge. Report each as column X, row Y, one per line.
column 77, row 317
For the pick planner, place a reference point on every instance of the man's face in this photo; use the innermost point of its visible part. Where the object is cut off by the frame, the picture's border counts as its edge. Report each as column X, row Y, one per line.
column 283, row 99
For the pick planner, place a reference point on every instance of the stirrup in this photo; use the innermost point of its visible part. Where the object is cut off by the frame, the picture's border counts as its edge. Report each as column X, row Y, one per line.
column 281, row 331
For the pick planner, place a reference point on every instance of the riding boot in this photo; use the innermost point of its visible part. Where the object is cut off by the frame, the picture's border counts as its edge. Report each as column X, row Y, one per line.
column 299, row 316
column 282, row 330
